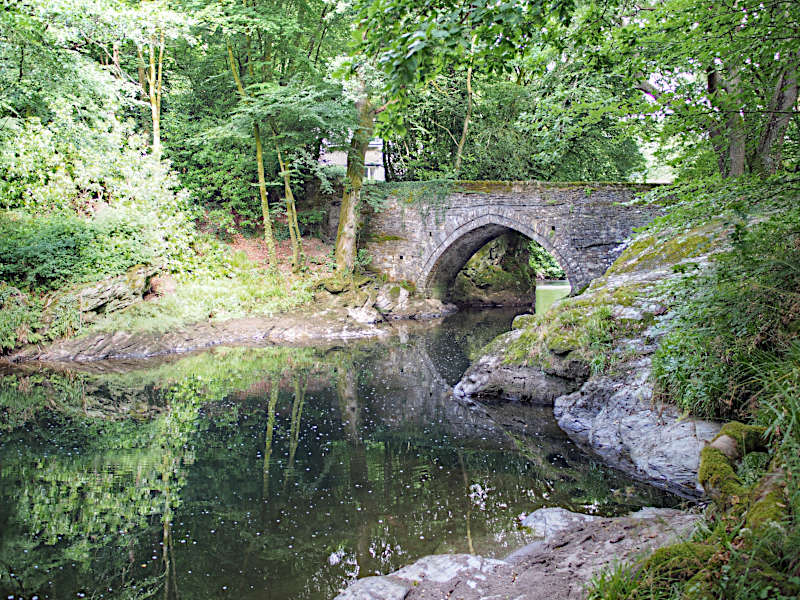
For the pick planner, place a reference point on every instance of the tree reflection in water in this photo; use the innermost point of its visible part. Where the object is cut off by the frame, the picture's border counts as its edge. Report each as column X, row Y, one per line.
column 272, row 472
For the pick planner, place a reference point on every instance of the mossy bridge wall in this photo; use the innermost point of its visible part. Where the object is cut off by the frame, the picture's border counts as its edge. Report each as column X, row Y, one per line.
column 428, row 240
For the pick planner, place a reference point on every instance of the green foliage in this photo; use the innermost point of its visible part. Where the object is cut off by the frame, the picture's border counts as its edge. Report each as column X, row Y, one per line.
column 563, row 126
column 543, row 263
column 734, row 318
column 717, row 79
column 414, row 41
column 363, row 259
column 43, row 254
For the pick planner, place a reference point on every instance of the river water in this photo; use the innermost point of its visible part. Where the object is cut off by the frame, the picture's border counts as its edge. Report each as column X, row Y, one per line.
column 275, row 473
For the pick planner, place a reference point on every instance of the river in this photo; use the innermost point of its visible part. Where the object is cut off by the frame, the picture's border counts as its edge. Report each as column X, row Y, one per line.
column 275, row 473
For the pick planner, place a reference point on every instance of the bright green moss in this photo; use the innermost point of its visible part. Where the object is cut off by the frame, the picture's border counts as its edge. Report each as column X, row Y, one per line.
column 749, row 438
column 769, row 509
column 380, row 239
column 651, row 251
column 679, row 562
column 718, row 478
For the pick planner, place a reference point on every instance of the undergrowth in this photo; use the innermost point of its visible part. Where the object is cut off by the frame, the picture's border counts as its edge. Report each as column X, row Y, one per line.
column 245, row 292
column 732, row 351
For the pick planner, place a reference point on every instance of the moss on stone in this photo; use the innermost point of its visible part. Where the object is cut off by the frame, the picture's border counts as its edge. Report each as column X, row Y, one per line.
column 771, row 508
column 718, row 477
column 523, row 321
column 679, row 562
column 749, row 438
column 649, row 252
column 380, row 239
column 699, row 586
column 408, row 286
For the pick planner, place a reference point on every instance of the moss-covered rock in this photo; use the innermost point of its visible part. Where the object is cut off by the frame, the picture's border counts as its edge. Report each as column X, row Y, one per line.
column 718, row 477
column 679, row 562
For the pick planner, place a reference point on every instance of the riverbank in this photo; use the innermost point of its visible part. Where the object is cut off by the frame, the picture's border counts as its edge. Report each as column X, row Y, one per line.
column 316, row 310
column 693, row 325
column 572, row 548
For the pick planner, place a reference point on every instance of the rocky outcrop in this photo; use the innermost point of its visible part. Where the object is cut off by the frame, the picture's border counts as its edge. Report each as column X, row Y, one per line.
column 572, row 548
column 590, row 356
column 615, row 417
column 103, row 297
column 490, row 378
column 395, row 302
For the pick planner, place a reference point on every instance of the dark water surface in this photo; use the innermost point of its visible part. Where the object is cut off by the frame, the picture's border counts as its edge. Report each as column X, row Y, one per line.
column 274, row 473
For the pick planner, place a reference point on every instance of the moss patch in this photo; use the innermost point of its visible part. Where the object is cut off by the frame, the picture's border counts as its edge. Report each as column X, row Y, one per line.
column 718, row 478
column 679, row 562
column 662, row 249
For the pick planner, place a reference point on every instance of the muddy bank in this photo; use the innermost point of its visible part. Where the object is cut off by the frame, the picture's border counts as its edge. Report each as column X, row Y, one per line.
column 572, row 548
column 296, row 328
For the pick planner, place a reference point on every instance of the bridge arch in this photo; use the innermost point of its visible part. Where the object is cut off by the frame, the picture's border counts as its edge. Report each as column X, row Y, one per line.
column 442, row 264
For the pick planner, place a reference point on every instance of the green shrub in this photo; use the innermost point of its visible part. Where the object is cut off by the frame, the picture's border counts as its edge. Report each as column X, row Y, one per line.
column 46, row 253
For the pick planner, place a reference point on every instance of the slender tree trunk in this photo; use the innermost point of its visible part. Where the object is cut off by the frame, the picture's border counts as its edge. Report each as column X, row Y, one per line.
column 262, row 192
column 349, row 212
column 154, row 80
column 737, row 148
column 262, row 182
column 767, row 156
column 467, row 116
column 291, row 210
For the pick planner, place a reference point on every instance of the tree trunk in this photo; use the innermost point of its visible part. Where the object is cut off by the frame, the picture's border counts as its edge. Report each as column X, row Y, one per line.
column 349, row 212
column 737, row 135
column 291, row 210
column 154, row 79
column 767, row 156
column 262, row 191
column 467, row 116
column 262, row 182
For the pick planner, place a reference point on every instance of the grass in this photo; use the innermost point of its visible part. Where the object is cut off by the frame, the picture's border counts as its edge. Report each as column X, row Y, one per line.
column 209, row 298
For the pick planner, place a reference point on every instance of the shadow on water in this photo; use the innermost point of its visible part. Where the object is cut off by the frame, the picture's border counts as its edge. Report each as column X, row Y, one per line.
column 275, row 472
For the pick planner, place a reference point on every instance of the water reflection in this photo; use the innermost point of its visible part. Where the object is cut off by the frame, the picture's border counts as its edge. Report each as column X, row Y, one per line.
column 274, row 472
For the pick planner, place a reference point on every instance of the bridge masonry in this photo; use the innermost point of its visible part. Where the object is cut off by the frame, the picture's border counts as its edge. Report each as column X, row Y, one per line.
column 427, row 243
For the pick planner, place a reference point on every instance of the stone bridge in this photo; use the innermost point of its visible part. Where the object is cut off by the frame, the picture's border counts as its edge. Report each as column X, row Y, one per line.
column 428, row 242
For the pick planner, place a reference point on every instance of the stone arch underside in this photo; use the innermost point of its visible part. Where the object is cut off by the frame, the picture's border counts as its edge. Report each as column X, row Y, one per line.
column 442, row 265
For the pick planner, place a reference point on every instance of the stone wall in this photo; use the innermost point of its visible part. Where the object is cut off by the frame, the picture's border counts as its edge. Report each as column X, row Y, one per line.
column 427, row 243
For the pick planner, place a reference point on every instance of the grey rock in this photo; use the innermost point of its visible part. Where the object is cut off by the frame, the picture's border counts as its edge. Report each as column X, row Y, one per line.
column 392, row 297
column 107, row 296
column 366, row 315
column 375, row 588
column 615, row 417
column 547, row 522
column 441, row 568
column 554, row 569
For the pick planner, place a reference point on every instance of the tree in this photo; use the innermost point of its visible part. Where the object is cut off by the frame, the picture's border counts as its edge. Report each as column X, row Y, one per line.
column 366, row 87
column 563, row 125
column 726, row 73
column 297, row 114
column 270, row 44
column 153, row 25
